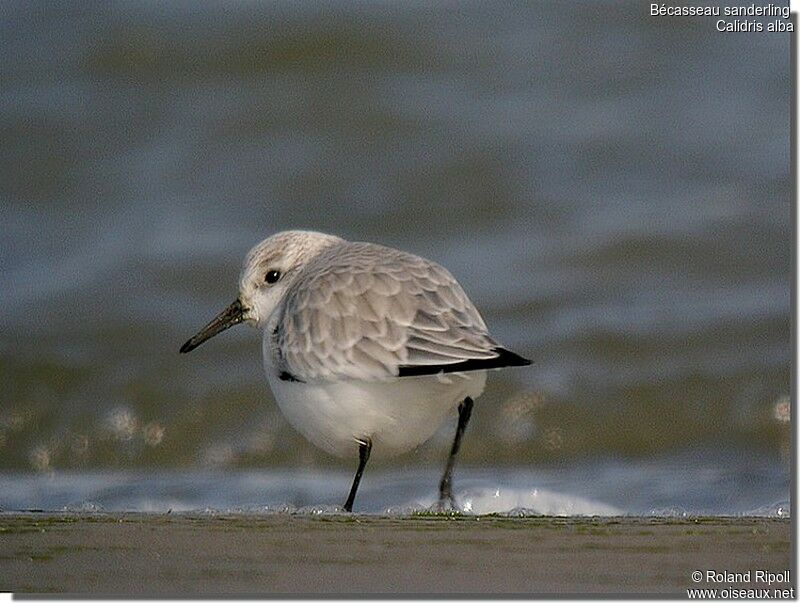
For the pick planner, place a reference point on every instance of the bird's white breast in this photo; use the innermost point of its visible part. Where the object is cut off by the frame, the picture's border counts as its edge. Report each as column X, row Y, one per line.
column 397, row 414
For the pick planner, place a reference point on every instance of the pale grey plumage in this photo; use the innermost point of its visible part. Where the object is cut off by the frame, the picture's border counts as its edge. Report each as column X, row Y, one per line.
column 365, row 347
column 360, row 311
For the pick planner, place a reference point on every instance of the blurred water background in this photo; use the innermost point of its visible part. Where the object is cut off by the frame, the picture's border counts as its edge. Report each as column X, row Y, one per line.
column 611, row 189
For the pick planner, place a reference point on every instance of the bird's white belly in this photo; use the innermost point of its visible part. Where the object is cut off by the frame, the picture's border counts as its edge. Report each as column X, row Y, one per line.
column 395, row 415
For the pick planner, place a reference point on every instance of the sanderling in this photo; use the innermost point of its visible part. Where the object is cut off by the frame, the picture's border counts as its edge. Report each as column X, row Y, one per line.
column 366, row 348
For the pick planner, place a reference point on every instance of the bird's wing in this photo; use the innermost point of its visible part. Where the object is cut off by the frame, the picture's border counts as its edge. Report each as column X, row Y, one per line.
column 371, row 313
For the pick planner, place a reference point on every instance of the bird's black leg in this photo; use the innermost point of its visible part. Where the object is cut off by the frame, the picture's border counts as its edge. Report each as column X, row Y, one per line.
column 446, row 485
column 364, row 448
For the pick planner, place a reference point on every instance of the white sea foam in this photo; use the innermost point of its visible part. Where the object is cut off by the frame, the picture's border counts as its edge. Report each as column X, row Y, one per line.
column 518, row 502
column 778, row 509
column 515, row 492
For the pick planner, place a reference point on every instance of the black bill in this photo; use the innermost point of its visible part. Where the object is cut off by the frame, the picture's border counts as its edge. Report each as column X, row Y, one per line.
column 230, row 316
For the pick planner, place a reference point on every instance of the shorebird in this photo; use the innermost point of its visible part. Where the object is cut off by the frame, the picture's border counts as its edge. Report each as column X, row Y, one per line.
column 366, row 348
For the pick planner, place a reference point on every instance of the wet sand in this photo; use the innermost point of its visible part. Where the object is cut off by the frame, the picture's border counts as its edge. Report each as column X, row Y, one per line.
column 141, row 554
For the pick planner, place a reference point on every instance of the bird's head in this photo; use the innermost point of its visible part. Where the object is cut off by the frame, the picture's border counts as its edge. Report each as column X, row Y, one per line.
column 269, row 270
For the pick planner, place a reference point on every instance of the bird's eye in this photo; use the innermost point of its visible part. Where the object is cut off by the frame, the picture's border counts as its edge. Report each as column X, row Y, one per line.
column 272, row 276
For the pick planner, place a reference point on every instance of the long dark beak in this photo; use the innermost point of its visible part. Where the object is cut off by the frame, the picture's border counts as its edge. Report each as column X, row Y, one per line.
column 232, row 315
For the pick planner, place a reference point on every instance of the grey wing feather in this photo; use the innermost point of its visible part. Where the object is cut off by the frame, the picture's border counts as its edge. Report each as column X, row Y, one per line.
column 361, row 311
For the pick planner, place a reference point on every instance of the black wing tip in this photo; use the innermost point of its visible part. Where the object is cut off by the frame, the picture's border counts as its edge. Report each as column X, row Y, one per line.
column 287, row 376
column 511, row 358
column 503, row 359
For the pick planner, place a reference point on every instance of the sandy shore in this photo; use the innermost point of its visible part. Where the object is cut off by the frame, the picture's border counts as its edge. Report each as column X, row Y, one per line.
column 273, row 554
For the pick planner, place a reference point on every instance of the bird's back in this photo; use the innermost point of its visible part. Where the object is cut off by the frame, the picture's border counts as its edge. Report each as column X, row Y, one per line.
column 372, row 313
